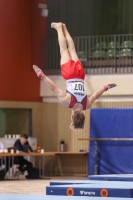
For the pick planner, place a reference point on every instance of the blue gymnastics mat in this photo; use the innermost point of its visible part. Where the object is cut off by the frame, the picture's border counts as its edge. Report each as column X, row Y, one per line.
column 114, row 157
column 110, row 190
column 95, row 181
column 69, row 182
column 41, row 197
column 112, row 177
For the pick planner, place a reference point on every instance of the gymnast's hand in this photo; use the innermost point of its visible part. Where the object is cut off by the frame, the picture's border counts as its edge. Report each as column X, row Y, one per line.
column 38, row 71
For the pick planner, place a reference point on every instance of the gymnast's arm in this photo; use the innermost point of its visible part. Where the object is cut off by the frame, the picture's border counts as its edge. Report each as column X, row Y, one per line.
column 49, row 82
column 98, row 93
column 95, row 96
column 53, row 87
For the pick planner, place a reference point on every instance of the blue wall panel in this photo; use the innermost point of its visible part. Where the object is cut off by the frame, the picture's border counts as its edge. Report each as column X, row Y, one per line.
column 114, row 156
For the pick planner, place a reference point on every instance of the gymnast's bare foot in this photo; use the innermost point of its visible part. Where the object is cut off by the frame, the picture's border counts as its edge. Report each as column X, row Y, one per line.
column 64, row 25
column 56, row 25
column 64, row 28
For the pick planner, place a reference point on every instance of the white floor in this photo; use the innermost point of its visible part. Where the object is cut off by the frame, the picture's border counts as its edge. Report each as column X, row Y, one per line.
column 30, row 186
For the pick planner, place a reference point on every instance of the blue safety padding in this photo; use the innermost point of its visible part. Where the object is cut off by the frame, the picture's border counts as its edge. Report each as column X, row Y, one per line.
column 115, row 157
column 114, row 190
column 112, row 177
column 94, row 179
column 42, row 197
column 72, row 182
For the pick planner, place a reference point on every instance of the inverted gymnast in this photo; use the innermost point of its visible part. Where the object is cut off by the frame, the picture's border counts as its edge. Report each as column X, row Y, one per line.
column 73, row 72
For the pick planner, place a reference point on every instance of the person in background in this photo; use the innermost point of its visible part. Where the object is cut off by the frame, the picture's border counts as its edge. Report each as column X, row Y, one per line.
column 23, row 145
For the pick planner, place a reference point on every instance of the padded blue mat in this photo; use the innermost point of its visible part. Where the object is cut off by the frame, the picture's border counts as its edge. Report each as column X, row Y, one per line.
column 41, row 197
column 114, row 157
column 95, row 181
column 112, row 177
column 69, row 182
column 113, row 189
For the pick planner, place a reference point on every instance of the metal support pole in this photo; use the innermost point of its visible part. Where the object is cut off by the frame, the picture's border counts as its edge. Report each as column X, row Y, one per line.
column 39, row 166
column 96, row 158
column 43, row 166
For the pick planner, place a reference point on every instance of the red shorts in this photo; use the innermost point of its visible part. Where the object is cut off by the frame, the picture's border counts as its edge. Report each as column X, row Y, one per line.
column 72, row 69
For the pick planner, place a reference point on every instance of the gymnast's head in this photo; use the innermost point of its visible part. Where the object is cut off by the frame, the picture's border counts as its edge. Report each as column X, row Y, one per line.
column 77, row 121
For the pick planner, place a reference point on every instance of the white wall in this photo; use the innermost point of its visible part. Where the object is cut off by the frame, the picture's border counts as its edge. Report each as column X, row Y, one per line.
column 123, row 91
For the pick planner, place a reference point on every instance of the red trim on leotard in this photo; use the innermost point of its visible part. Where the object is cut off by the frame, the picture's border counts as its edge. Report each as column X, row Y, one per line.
column 84, row 102
column 74, row 101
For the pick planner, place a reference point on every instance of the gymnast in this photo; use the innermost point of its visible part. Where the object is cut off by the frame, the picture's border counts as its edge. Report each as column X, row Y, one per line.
column 72, row 71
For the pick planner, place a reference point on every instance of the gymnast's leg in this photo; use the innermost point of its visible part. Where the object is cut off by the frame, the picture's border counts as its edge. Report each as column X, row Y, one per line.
column 70, row 44
column 65, row 57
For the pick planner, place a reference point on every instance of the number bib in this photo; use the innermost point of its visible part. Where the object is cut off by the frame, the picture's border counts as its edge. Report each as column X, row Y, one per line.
column 78, row 87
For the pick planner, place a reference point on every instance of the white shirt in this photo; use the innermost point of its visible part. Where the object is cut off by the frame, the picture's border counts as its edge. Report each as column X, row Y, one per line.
column 1, row 147
column 76, row 88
